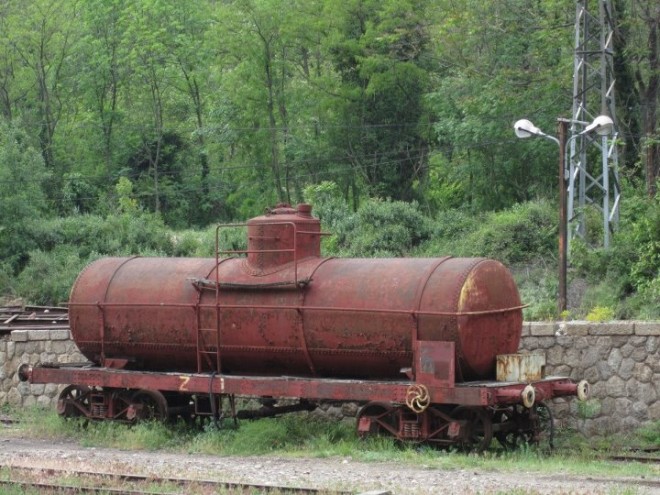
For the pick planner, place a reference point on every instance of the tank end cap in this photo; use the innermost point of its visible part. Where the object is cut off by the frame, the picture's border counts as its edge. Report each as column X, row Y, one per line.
column 24, row 372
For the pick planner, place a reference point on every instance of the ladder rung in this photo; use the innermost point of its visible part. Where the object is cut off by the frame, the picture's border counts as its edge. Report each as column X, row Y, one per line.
column 208, row 345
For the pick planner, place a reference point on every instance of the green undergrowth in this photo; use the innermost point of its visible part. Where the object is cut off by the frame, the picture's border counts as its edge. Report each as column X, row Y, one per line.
column 307, row 436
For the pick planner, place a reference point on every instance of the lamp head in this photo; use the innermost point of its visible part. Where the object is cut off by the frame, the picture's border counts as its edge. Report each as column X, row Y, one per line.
column 524, row 129
column 602, row 125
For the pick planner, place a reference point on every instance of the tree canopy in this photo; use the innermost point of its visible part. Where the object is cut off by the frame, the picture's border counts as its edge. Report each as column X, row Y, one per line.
column 189, row 113
column 212, row 109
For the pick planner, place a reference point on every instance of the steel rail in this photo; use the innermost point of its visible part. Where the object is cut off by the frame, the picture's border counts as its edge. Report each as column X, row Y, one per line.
column 60, row 488
column 646, row 459
column 136, row 478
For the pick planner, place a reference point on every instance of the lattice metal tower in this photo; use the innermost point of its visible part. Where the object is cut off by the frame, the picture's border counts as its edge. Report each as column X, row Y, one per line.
column 593, row 180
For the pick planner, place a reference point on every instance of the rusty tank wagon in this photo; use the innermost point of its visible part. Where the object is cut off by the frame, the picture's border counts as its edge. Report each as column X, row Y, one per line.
column 427, row 345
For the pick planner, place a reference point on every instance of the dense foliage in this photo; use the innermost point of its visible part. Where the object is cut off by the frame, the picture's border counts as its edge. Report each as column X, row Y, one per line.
column 124, row 123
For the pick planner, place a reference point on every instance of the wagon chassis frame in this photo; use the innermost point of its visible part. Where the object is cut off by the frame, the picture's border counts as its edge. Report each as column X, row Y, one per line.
column 466, row 394
column 450, row 415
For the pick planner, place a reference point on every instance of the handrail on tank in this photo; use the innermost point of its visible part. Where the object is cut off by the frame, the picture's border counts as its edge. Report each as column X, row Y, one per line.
column 484, row 312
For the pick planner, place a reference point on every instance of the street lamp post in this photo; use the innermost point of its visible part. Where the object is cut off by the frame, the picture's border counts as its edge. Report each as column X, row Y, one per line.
column 562, row 131
column 601, row 125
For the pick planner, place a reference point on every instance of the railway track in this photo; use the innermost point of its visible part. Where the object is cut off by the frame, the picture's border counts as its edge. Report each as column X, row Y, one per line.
column 6, row 420
column 54, row 481
column 649, row 455
column 33, row 318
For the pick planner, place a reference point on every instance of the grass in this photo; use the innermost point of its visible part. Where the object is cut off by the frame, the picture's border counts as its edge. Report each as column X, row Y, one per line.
column 306, row 436
column 647, row 436
column 650, row 434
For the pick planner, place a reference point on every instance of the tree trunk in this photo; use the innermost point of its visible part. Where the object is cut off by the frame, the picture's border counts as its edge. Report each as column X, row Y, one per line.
column 195, row 96
column 627, row 95
column 651, row 105
column 274, row 145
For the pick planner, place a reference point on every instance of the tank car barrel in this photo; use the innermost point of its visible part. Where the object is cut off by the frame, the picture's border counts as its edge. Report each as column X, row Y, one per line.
column 25, row 373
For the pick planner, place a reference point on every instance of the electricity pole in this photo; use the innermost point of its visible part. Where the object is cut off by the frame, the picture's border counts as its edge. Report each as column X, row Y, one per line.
column 593, row 183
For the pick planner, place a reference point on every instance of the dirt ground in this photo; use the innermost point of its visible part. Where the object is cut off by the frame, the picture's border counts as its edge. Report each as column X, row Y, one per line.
column 335, row 473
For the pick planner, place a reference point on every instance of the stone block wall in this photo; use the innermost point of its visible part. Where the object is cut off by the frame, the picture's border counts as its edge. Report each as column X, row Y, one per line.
column 620, row 360
column 32, row 347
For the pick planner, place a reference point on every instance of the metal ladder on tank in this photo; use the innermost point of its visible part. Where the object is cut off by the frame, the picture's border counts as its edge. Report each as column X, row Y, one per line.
column 208, row 354
column 208, row 348
column 208, row 338
column 208, row 360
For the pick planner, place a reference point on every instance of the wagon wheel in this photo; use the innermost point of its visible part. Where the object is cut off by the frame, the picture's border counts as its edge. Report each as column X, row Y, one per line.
column 510, row 437
column 480, row 427
column 383, row 420
column 544, row 431
column 149, row 405
column 73, row 402
column 532, row 426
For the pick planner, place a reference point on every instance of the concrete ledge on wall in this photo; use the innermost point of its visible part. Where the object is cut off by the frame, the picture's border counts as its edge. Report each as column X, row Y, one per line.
column 583, row 328
column 526, row 329
column 574, row 328
column 645, row 328
column 612, row 328
column 19, row 336
column 542, row 329
column 60, row 334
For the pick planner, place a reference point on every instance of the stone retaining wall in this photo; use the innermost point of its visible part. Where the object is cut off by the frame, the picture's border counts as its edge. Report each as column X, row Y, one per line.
column 621, row 361
column 33, row 347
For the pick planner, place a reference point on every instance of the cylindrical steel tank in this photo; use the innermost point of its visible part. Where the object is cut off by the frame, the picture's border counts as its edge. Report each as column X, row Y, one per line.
column 294, row 313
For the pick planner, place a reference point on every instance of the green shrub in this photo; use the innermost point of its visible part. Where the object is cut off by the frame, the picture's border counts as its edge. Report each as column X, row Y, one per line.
column 524, row 232
column 451, row 224
column 201, row 243
column 625, row 277
column 520, row 234
column 384, row 228
column 538, row 288
column 64, row 246
column 597, row 297
column 7, row 280
column 328, row 202
column 114, row 235
column 22, row 198
column 193, row 243
column 650, row 433
column 643, row 304
column 600, row 313
column 48, row 276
